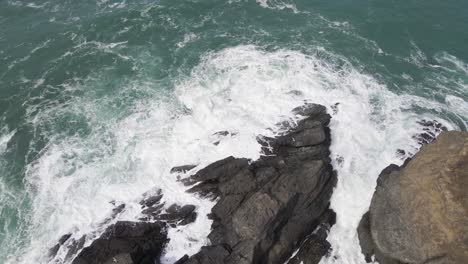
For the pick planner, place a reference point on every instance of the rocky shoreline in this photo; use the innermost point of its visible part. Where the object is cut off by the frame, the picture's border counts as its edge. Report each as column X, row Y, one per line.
column 266, row 209
column 276, row 209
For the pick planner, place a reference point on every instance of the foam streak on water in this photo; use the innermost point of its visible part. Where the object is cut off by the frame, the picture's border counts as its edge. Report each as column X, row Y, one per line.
column 241, row 89
column 4, row 140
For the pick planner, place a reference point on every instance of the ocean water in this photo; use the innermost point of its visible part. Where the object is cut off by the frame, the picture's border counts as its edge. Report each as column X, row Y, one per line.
column 99, row 99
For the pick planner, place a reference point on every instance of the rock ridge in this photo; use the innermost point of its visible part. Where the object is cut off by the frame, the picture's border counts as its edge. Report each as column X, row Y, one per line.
column 267, row 208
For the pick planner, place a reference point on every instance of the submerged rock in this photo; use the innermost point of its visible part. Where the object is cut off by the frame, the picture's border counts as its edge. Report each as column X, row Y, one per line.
column 268, row 207
column 419, row 211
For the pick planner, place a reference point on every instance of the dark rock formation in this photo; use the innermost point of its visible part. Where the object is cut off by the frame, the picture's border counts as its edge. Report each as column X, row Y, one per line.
column 419, row 211
column 53, row 251
column 267, row 208
column 431, row 129
column 130, row 242
column 178, row 215
column 218, row 136
column 182, row 169
column 142, row 242
column 315, row 245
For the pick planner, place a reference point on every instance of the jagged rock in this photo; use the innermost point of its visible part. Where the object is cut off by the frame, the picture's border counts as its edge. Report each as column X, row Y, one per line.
column 130, row 242
column 431, row 129
column 151, row 198
column 144, row 243
column 74, row 246
column 221, row 134
column 182, row 169
column 266, row 208
column 178, row 215
column 53, row 251
column 315, row 245
column 419, row 211
column 151, row 205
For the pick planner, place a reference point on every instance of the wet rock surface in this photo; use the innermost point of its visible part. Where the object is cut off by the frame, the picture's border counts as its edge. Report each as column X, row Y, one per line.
column 266, row 209
column 269, row 207
column 419, row 211
column 182, row 169
column 127, row 242
column 430, row 129
column 315, row 246
column 139, row 241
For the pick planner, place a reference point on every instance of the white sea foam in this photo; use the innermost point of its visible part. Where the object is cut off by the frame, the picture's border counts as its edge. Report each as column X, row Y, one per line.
column 4, row 139
column 277, row 5
column 458, row 106
column 242, row 89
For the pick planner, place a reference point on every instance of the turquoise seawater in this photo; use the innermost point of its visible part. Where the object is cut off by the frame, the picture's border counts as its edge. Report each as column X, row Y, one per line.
column 91, row 91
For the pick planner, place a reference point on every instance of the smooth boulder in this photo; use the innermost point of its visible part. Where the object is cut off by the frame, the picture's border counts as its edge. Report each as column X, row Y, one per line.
column 419, row 211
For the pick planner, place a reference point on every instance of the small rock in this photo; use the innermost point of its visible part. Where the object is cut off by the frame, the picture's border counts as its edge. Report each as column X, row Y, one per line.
column 335, row 108
column 182, row 169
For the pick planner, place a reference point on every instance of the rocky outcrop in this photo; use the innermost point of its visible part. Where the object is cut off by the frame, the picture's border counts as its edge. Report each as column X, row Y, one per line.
column 267, row 208
column 141, row 242
column 315, row 246
column 430, row 129
column 419, row 211
column 128, row 242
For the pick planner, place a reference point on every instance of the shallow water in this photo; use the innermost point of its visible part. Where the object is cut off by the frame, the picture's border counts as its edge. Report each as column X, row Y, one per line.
column 99, row 99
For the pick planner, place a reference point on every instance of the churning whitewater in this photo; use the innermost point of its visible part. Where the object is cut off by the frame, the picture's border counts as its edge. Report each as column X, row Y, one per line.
column 100, row 99
column 242, row 89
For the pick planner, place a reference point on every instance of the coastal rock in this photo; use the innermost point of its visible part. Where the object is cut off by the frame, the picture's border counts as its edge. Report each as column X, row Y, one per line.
column 142, row 242
column 419, row 211
column 267, row 208
column 182, row 169
column 315, row 245
column 53, row 251
column 130, row 242
column 431, row 129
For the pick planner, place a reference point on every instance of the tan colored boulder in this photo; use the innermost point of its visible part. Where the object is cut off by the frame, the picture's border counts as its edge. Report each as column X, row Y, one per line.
column 419, row 212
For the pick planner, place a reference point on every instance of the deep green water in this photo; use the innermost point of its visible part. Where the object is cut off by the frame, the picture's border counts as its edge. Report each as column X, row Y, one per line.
column 72, row 72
